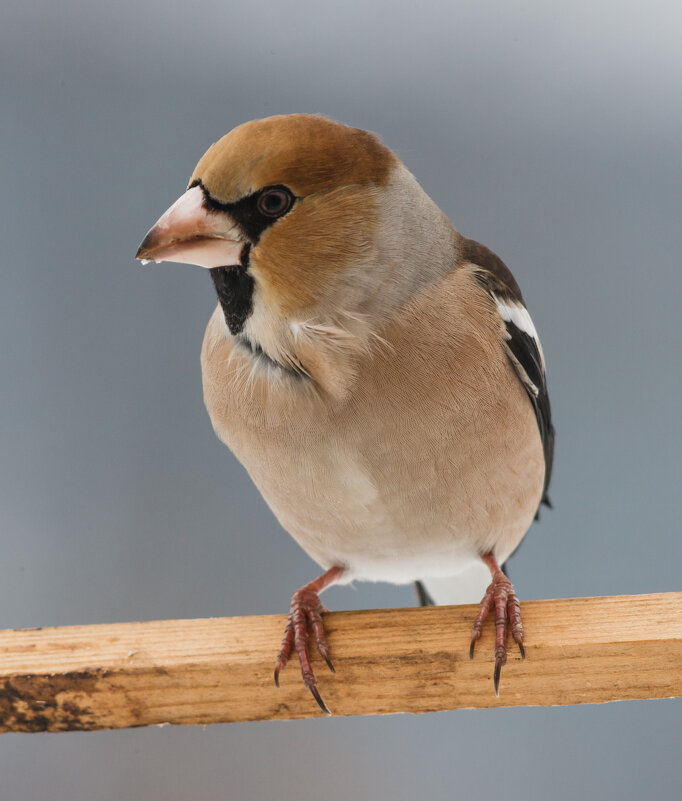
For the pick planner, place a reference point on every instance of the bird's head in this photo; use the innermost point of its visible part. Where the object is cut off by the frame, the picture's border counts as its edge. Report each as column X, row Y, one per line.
column 303, row 222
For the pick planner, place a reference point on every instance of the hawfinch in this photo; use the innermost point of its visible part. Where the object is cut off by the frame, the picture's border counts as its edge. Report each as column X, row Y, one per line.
column 376, row 372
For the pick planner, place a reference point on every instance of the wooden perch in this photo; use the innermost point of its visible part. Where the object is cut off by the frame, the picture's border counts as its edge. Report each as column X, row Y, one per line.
column 580, row 650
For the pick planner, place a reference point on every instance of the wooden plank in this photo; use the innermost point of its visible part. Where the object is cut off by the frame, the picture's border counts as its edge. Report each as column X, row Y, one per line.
column 580, row 650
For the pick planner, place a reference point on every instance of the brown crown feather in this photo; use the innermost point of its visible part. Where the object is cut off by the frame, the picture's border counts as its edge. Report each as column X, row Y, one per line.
column 309, row 154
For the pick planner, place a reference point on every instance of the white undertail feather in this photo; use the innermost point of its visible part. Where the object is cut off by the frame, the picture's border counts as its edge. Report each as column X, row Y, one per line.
column 467, row 587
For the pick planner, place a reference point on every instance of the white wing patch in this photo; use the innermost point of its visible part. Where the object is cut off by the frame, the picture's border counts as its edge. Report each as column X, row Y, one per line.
column 517, row 313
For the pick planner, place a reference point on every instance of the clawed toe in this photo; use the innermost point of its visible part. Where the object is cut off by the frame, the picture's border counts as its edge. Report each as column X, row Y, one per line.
column 316, row 695
column 498, row 671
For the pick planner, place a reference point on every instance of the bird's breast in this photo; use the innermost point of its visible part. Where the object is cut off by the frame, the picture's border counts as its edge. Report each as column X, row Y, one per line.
column 434, row 458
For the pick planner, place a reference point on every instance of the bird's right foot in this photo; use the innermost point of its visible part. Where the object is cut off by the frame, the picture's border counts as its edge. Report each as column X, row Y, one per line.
column 305, row 614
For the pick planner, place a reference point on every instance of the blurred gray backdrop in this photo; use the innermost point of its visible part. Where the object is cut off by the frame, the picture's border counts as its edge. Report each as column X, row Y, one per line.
column 551, row 133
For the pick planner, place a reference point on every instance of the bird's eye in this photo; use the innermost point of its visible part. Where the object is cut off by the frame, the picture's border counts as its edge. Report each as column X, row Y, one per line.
column 274, row 202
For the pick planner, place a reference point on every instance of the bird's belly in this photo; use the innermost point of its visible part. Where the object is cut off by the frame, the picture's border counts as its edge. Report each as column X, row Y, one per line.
column 344, row 516
column 404, row 521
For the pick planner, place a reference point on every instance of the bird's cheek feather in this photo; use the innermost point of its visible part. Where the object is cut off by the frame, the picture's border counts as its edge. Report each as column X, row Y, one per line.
column 310, row 250
column 190, row 233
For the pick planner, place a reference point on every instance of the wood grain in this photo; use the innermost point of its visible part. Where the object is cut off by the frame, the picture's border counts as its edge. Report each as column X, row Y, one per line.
column 580, row 650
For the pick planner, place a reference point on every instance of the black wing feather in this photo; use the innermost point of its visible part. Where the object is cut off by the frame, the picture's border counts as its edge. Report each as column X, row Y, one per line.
column 525, row 351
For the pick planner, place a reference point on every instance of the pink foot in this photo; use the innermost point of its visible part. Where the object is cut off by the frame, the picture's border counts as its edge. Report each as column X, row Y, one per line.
column 305, row 614
column 502, row 596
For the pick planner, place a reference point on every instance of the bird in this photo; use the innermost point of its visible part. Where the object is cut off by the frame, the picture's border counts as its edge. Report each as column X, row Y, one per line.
column 375, row 371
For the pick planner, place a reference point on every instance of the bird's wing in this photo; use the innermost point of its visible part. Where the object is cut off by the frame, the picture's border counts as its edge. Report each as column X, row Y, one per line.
column 523, row 345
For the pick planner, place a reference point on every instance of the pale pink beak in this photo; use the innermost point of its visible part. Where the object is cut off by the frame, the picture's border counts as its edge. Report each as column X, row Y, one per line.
column 190, row 233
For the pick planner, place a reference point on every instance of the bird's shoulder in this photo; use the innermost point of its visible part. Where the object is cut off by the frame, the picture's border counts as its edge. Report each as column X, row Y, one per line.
column 491, row 272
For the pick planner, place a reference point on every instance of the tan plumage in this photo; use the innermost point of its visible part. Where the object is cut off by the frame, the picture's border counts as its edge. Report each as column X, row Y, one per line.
column 374, row 387
column 411, row 464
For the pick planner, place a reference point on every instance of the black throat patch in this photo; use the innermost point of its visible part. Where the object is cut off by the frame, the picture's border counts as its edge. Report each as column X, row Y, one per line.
column 234, row 287
column 234, row 284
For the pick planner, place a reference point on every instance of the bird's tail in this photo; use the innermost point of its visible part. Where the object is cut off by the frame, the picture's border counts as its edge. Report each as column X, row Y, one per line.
column 467, row 587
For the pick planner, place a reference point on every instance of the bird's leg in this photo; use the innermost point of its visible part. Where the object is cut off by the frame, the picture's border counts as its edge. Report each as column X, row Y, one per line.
column 305, row 613
column 500, row 594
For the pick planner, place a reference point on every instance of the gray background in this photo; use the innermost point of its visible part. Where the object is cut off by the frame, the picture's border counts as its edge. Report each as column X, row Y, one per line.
column 550, row 133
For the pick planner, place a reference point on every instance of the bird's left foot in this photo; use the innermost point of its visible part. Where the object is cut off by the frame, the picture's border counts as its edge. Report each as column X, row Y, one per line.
column 502, row 596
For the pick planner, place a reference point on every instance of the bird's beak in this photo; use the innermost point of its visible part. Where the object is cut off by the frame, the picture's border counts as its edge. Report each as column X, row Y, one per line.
column 190, row 233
